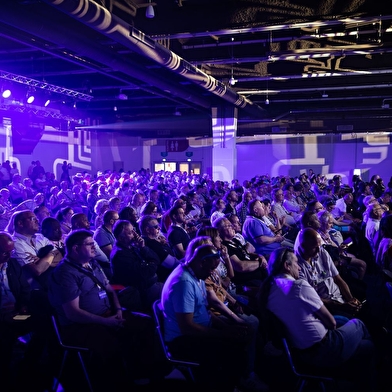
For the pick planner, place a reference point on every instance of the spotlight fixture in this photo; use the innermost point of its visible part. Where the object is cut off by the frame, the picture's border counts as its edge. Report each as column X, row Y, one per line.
column 324, row 95
column 150, row 13
column 267, row 101
column 30, row 98
column 6, row 93
column 122, row 96
column 232, row 81
column 47, row 102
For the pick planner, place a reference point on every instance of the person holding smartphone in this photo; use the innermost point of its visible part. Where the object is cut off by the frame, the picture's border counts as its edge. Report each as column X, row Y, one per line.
column 134, row 264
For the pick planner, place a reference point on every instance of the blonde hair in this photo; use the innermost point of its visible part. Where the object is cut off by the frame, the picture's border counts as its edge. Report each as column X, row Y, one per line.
column 194, row 244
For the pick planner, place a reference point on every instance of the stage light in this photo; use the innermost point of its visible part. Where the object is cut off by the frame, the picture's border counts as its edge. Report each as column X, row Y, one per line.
column 30, row 99
column 6, row 93
column 47, row 102
column 150, row 11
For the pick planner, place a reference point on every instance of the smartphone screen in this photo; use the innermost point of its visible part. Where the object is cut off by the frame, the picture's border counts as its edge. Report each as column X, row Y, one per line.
column 21, row 317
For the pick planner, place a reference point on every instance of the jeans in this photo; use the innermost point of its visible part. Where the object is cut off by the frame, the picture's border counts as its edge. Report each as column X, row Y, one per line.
column 350, row 349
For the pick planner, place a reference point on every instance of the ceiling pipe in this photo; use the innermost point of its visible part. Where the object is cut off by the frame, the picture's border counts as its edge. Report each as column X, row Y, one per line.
column 241, row 42
column 65, row 37
column 303, row 54
column 279, row 27
column 273, row 91
column 100, row 19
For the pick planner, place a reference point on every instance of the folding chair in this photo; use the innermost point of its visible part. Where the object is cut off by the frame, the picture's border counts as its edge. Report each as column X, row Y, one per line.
column 277, row 333
column 305, row 378
column 185, row 367
column 66, row 351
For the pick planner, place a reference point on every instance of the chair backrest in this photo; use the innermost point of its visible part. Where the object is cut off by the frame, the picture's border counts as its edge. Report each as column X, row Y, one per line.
column 276, row 330
column 159, row 323
column 59, row 339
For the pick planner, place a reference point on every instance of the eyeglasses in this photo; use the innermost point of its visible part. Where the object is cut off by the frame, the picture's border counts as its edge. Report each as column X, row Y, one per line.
column 32, row 219
column 154, row 227
column 87, row 244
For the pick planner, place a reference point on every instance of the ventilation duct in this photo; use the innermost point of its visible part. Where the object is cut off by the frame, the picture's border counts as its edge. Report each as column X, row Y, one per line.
column 101, row 20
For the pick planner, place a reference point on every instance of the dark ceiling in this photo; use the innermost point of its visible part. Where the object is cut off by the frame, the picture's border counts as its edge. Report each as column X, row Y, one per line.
column 288, row 66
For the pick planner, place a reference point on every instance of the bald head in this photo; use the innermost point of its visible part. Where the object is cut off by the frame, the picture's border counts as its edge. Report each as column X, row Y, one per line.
column 309, row 242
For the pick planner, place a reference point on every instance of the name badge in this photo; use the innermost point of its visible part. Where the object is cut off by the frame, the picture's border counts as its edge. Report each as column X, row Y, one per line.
column 102, row 294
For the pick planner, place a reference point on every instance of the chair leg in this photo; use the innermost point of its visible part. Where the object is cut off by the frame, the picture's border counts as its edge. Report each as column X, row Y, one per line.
column 302, row 383
column 85, row 371
column 57, row 382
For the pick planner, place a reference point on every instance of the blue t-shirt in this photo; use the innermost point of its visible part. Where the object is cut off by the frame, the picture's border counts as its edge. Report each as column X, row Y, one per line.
column 253, row 228
column 183, row 293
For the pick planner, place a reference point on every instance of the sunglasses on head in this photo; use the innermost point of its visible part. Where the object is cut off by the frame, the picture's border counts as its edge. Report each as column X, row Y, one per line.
column 216, row 255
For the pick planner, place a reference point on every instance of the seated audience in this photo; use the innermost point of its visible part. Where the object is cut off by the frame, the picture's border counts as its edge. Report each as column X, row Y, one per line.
column 256, row 231
column 229, row 308
column 333, row 239
column 218, row 205
column 279, row 209
column 310, row 327
column 134, row 264
column 90, row 315
column 100, row 207
column 41, row 212
column 338, row 220
column 384, row 250
column 237, row 226
column 190, row 329
column 318, row 269
column 225, row 268
column 290, row 202
column 51, row 229
column 103, row 234
column 242, row 207
column 344, row 209
column 17, row 190
column 14, row 301
column 28, row 244
column 157, row 242
column 249, row 268
column 374, row 213
column 129, row 214
column 231, row 199
column 64, row 217
column 177, row 234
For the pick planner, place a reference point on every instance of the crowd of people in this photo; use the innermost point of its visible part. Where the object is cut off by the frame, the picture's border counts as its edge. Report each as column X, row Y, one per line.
column 98, row 250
